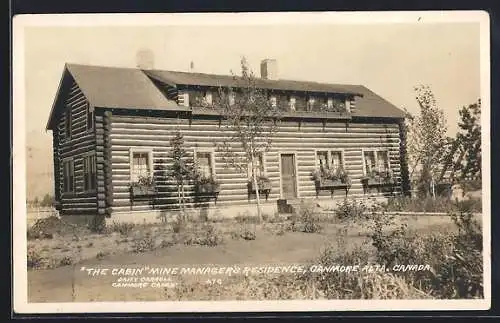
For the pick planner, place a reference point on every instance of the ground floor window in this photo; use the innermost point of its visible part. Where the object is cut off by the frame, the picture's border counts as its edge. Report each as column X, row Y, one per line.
column 259, row 166
column 204, row 164
column 68, row 176
column 89, row 173
column 376, row 161
column 326, row 159
column 141, row 165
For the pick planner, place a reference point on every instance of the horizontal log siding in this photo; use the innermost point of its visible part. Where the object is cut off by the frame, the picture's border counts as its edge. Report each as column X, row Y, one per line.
column 81, row 142
column 301, row 138
column 56, row 165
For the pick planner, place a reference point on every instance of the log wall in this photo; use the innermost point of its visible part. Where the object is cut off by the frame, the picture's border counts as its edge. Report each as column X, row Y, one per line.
column 301, row 138
column 82, row 141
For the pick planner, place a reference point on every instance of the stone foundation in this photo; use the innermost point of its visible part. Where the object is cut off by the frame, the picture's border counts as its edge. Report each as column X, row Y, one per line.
column 213, row 213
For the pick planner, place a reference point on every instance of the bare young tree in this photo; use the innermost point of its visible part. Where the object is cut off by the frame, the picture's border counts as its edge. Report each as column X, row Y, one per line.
column 250, row 123
column 427, row 140
column 182, row 167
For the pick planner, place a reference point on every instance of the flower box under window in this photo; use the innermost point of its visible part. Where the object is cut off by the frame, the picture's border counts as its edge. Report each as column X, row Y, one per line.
column 331, row 180
column 207, row 188
column 143, row 190
column 379, row 180
column 264, row 185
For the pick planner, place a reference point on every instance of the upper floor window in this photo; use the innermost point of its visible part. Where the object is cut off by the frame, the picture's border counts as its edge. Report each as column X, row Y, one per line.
column 292, row 103
column 67, row 123
column 207, row 98
column 310, row 102
column 231, row 98
column 89, row 173
column 273, row 100
column 329, row 103
column 183, row 99
column 140, row 165
column 68, row 176
column 90, row 118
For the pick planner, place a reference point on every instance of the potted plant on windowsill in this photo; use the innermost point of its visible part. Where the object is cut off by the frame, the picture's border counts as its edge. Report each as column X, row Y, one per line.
column 206, row 184
column 328, row 177
column 384, row 177
column 263, row 182
column 144, row 186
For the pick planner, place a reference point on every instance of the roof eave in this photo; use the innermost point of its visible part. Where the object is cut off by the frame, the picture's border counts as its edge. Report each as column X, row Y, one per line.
column 49, row 125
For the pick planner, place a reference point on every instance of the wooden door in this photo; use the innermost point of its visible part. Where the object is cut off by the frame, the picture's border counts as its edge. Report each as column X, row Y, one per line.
column 288, row 183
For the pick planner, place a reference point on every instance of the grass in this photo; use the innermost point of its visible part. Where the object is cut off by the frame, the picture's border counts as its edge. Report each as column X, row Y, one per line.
column 439, row 204
column 450, row 244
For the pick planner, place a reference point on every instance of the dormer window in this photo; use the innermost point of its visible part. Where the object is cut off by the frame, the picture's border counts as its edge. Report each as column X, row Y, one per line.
column 329, row 103
column 231, row 98
column 273, row 100
column 310, row 102
column 292, row 103
column 183, row 99
column 207, row 98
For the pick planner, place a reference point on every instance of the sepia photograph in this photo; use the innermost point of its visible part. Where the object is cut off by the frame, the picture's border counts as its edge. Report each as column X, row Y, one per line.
column 251, row 162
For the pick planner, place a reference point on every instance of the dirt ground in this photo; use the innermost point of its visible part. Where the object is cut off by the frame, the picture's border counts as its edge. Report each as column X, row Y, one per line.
column 62, row 275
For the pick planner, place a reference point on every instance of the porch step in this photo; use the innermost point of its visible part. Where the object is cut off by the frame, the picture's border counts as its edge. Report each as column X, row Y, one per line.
column 288, row 206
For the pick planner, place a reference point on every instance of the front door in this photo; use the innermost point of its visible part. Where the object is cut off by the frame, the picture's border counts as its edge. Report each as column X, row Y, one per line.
column 288, row 183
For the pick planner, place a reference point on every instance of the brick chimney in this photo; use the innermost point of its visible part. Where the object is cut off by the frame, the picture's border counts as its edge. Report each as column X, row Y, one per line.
column 269, row 69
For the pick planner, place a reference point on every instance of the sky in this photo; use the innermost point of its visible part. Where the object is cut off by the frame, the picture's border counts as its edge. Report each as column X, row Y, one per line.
column 389, row 59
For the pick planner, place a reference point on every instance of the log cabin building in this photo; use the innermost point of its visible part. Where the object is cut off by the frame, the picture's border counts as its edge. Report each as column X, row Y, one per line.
column 112, row 127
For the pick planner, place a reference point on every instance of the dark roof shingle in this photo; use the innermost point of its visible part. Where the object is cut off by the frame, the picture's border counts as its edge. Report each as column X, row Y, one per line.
column 113, row 87
column 201, row 79
column 133, row 88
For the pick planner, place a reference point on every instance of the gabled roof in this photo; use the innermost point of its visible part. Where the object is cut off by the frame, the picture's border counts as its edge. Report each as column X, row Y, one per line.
column 373, row 105
column 133, row 88
column 113, row 87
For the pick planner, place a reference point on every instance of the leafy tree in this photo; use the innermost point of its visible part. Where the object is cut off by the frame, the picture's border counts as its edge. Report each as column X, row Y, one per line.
column 427, row 141
column 251, row 121
column 469, row 141
column 181, row 169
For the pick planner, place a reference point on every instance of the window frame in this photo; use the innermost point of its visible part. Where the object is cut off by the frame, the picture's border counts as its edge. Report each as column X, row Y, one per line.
column 231, row 98
column 185, row 98
column 262, row 156
column 68, row 122
column 149, row 152
column 68, row 161
column 208, row 94
column 273, row 100
column 317, row 163
column 292, row 102
column 90, row 112
column 329, row 103
column 212, row 159
column 92, row 157
column 376, row 155
column 329, row 157
column 342, row 157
